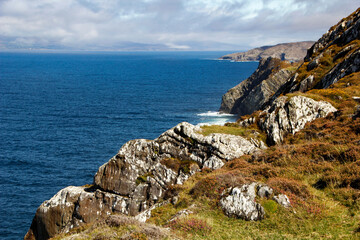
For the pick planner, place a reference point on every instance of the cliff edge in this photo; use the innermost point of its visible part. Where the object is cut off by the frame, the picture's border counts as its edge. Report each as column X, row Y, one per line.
column 293, row 164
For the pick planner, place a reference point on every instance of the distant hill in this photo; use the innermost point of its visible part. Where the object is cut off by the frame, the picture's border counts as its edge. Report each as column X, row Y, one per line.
column 285, row 51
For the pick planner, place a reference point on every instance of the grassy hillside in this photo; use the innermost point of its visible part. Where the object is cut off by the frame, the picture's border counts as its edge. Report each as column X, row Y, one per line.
column 318, row 168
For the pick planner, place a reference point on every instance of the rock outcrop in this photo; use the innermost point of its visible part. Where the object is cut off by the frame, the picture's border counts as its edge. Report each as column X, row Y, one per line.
column 283, row 200
column 136, row 179
column 286, row 116
column 285, row 51
column 335, row 55
column 71, row 207
column 240, row 202
column 252, row 93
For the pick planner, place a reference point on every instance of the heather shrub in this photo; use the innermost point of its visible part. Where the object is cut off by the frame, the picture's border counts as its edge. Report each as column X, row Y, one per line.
column 212, row 186
column 172, row 191
column 284, row 185
column 191, row 226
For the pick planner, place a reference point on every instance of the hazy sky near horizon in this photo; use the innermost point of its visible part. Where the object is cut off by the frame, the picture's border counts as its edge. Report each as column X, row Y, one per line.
column 165, row 24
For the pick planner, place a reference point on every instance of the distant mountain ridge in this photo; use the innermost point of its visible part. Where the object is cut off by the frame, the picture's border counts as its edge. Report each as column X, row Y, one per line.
column 294, row 51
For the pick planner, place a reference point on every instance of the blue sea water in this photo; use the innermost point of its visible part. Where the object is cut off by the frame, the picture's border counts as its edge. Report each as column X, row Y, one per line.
column 64, row 115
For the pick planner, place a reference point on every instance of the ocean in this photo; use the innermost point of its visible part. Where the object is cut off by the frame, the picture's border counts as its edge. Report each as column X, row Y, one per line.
column 62, row 115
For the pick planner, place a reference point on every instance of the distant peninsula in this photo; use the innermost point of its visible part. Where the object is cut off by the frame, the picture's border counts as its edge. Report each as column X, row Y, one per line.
column 294, row 51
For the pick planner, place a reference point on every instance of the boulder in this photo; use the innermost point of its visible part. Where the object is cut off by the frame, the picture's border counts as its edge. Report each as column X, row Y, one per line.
column 285, row 116
column 240, row 203
column 264, row 191
column 72, row 207
column 283, row 200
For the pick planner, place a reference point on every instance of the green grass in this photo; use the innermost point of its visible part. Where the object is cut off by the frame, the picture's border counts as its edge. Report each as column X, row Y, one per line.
column 251, row 132
column 209, row 129
column 281, row 223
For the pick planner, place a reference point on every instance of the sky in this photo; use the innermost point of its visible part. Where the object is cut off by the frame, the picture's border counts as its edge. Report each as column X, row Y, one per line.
column 191, row 25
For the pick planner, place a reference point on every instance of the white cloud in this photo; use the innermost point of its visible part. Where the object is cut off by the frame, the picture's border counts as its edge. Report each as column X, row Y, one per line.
column 175, row 24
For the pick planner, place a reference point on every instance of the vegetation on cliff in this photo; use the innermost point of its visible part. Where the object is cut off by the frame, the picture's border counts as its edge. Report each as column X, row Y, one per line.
column 318, row 168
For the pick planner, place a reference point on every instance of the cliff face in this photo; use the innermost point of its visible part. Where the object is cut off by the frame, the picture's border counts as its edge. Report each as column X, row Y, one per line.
column 334, row 56
column 137, row 178
column 303, row 160
column 284, row 51
column 252, row 93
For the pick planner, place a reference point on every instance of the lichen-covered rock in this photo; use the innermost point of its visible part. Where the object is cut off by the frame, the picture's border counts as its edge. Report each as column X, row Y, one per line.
column 146, row 161
column 283, row 200
column 350, row 64
column 136, row 179
column 264, row 191
column 290, row 116
column 240, row 203
column 72, row 207
column 335, row 55
column 252, row 93
column 342, row 33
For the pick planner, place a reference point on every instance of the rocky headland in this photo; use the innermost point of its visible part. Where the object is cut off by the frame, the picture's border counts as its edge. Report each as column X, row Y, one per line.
column 285, row 51
column 251, row 94
column 289, row 166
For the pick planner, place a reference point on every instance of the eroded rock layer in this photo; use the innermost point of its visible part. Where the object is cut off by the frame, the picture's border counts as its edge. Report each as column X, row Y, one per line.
column 133, row 181
column 252, row 93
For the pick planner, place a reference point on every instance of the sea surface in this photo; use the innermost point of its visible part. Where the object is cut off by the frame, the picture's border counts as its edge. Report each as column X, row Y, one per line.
column 63, row 115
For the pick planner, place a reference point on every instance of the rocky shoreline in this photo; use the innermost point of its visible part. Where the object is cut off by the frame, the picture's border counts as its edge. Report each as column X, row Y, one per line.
column 141, row 175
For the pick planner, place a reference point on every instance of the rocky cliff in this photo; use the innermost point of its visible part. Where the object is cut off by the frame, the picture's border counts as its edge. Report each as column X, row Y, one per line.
column 304, row 181
column 284, row 51
column 249, row 95
column 138, row 177
column 334, row 56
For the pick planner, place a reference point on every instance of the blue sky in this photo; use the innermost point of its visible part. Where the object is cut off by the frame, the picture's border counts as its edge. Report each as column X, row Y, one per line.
column 165, row 24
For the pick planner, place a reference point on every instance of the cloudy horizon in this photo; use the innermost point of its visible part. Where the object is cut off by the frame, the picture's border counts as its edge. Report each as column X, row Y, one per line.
column 127, row 25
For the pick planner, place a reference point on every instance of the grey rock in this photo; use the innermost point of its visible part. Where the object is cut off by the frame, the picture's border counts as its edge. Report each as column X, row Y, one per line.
column 72, row 207
column 135, row 180
column 290, row 116
column 283, row 200
column 252, row 93
column 343, row 33
column 313, row 64
column 350, row 64
column 247, row 122
column 306, row 84
column 347, row 30
column 240, row 203
column 264, row 191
